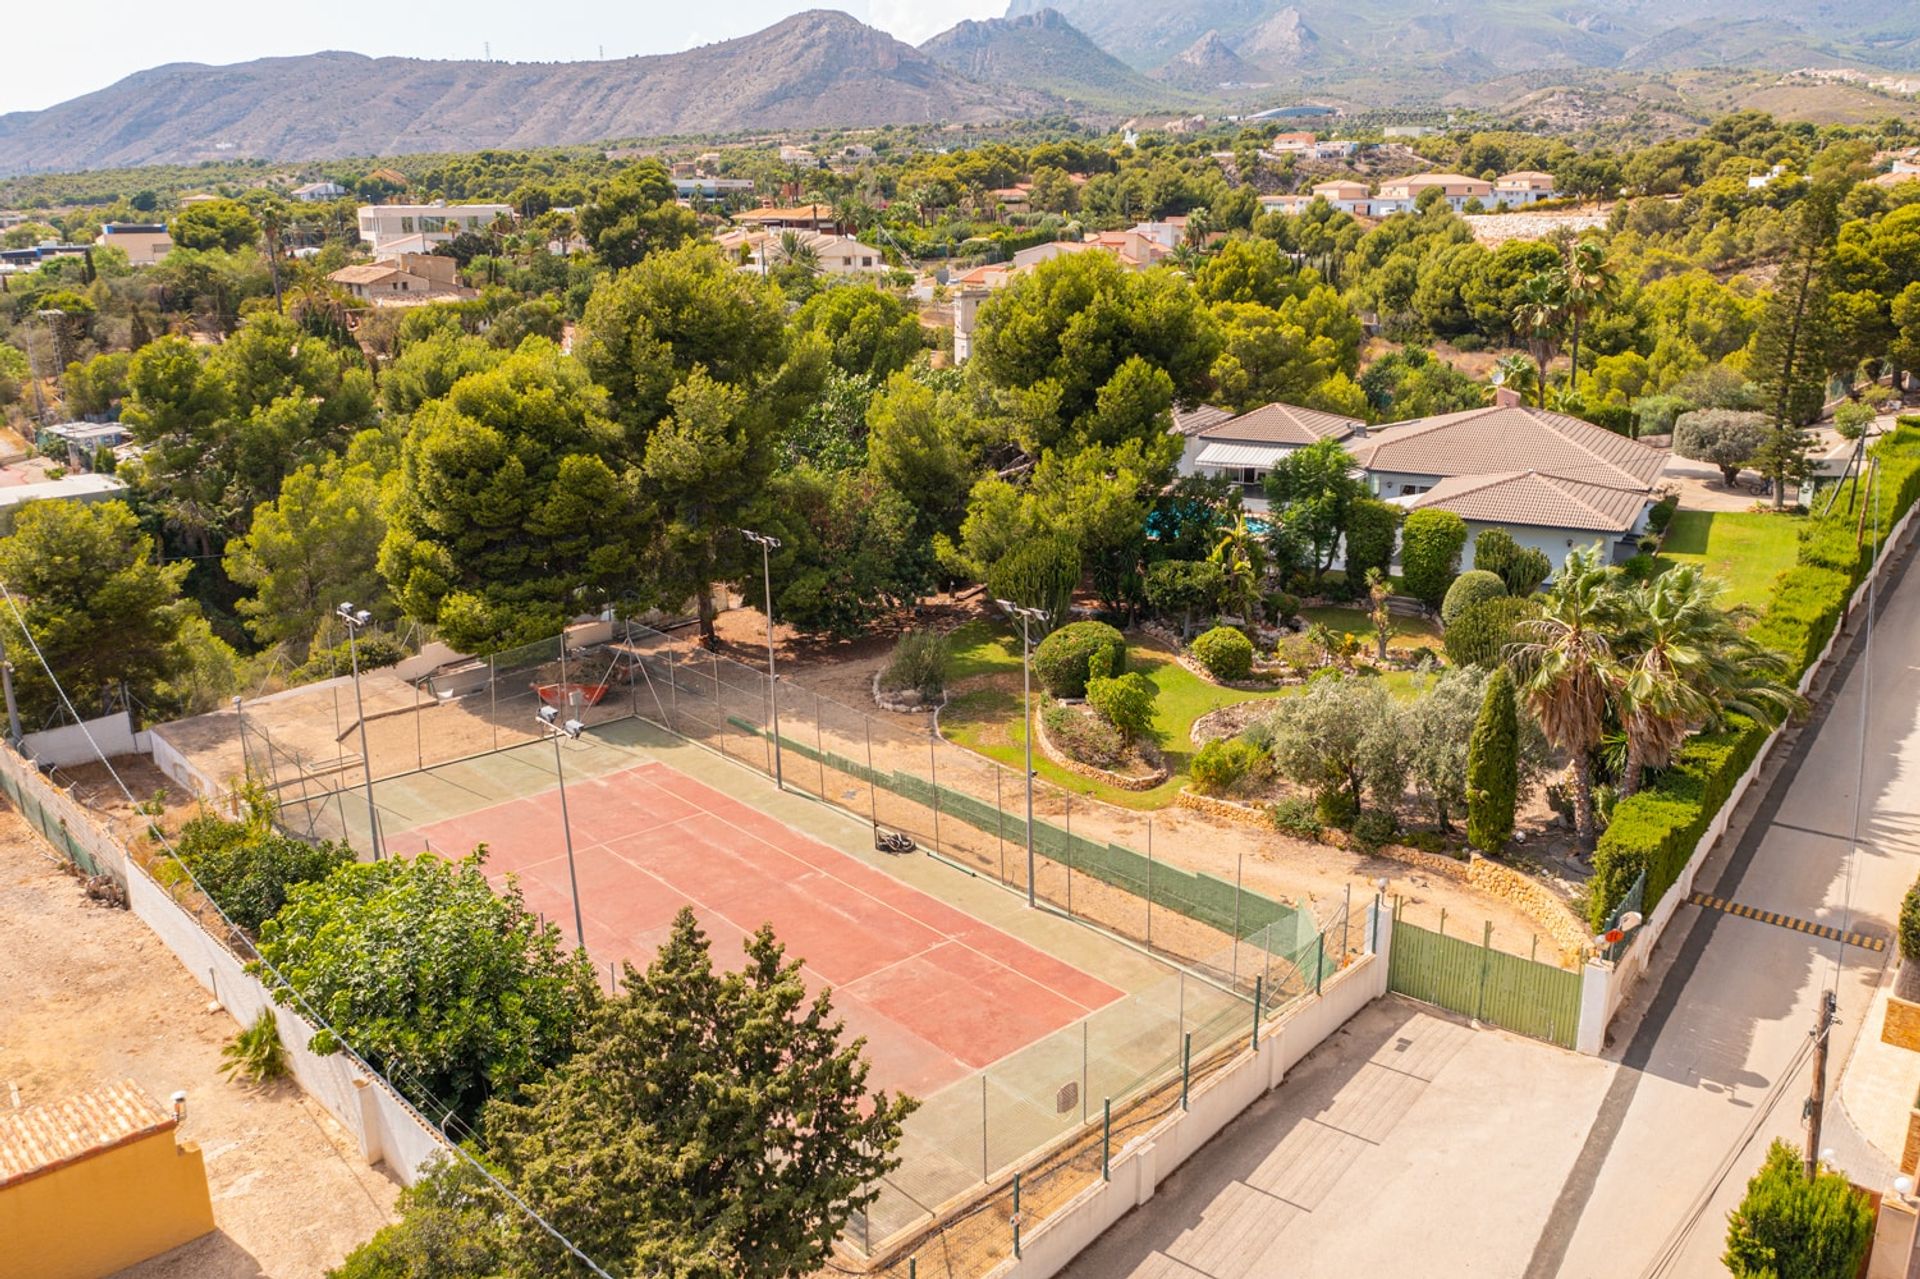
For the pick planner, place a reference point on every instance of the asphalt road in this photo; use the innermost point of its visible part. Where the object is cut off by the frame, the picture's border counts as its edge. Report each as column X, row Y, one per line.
column 1714, row 1052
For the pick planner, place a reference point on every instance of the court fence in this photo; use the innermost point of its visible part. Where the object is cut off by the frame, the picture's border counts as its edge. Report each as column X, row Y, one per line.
column 1238, row 958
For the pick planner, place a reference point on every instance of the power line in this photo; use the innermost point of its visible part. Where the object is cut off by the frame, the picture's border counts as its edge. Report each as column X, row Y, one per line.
column 235, row 931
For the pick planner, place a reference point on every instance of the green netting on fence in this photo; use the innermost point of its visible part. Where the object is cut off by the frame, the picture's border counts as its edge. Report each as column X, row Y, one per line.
column 1195, row 894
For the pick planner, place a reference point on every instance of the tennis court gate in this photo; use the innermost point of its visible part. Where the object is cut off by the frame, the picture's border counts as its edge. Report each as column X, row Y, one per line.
column 1522, row 995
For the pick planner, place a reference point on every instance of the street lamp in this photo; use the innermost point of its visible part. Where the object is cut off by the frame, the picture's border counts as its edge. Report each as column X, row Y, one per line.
column 1026, row 616
column 556, row 729
column 767, row 546
column 355, row 619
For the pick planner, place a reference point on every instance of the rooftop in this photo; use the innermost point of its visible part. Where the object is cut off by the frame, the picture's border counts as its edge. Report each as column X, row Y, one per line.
column 1505, row 439
column 1284, row 424
column 39, row 1139
column 1541, row 501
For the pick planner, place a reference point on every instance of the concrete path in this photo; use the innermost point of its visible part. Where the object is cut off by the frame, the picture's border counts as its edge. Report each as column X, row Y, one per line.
column 1714, row 1050
column 1392, row 1140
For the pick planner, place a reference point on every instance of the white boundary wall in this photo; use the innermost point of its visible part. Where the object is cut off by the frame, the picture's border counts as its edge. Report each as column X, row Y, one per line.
column 1616, row 980
column 1140, row 1166
column 72, row 744
column 386, row 1127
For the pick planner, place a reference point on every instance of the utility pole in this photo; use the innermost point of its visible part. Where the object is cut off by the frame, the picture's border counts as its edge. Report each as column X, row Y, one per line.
column 1817, row 1096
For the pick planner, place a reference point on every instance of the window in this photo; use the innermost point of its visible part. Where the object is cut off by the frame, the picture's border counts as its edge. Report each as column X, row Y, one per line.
column 406, row 226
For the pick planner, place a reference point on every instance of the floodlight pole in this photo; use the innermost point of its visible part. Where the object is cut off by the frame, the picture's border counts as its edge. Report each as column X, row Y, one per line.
column 1026, row 707
column 767, row 546
column 355, row 619
column 548, row 718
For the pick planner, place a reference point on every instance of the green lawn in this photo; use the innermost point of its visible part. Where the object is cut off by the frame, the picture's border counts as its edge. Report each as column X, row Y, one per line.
column 988, row 720
column 1745, row 550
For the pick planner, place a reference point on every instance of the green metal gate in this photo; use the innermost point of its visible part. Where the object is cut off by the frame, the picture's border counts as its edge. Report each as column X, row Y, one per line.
column 1521, row 995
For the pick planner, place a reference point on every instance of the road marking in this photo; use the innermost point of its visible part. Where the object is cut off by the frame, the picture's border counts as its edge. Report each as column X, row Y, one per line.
column 1860, row 940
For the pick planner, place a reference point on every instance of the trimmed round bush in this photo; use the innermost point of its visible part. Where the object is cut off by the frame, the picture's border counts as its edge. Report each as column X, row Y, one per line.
column 1480, row 634
column 1468, row 589
column 1225, row 652
column 1062, row 659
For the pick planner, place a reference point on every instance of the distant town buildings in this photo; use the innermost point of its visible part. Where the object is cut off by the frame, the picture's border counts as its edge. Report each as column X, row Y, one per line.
column 762, row 250
column 1515, row 190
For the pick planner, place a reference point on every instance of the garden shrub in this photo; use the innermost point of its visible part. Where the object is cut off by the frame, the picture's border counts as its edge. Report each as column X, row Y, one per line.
column 1493, row 766
column 373, row 650
column 1296, row 816
column 1910, row 925
column 1181, row 588
column 1219, row 766
column 1335, row 808
column 1374, row 829
column 1790, row 1226
column 920, row 661
column 1640, row 567
column 1084, row 737
column 1282, row 607
column 1124, row 701
column 1661, row 513
column 247, row 867
column 1225, row 652
column 1430, row 546
column 1468, row 589
column 1063, row 659
column 1372, row 528
column 1521, row 568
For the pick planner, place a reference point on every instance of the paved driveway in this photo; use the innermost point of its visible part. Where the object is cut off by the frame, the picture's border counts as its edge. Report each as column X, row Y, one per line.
column 1392, row 1141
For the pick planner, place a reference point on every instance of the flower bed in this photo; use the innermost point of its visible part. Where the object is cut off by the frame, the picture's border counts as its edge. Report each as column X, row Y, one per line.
column 1157, row 773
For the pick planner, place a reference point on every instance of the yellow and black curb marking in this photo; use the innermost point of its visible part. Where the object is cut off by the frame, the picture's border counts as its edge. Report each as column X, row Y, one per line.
column 1860, row 940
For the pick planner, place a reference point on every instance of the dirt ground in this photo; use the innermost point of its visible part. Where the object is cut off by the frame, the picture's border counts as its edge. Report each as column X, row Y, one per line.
column 88, row 996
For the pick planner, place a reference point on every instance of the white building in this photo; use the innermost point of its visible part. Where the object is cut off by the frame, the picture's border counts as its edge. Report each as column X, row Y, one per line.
column 314, row 191
column 1519, row 189
column 1402, row 195
column 828, row 254
column 386, row 226
column 1243, row 449
column 799, row 158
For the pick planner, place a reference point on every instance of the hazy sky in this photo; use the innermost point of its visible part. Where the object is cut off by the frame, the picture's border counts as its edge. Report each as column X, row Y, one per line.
column 84, row 45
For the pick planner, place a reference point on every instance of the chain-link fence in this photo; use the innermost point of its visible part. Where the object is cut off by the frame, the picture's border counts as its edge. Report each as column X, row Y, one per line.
column 1237, row 956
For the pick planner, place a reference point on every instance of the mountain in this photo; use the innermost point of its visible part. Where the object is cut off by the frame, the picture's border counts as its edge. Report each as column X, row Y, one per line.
column 1387, row 51
column 1207, row 64
column 1042, row 50
column 815, row 69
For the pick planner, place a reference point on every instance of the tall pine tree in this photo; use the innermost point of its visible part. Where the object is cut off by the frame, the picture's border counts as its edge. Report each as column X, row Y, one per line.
column 1790, row 355
column 1493, row 766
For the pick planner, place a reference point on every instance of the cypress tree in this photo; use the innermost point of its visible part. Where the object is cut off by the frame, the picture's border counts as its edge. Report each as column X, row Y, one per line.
column 1493, row 766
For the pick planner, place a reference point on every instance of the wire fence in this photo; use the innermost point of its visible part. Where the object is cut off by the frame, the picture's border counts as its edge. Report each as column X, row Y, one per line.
column 1236, row 955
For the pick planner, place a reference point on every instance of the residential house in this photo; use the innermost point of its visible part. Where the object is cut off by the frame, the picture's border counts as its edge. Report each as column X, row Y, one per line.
column 804, row 217
column 1760, row 181
column 21, row 485
column 854, row 153
column 1292, row 143
column 313, row 192
column 759, row 251
column 1526, row 186
column 405, row 280
column 1346, row 195
column 710, row 188
column 1402, row 195
column 144, row 243
column 82, row 442
column 1244, row 448
column 799, row 158
column 1554, row 482
column 384, row 226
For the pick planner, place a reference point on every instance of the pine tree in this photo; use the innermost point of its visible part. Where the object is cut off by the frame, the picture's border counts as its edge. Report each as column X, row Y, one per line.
column 1493, row 766
column 1790, row 353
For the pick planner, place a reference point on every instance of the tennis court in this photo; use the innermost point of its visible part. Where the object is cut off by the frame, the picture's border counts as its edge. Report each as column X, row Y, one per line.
column 937, row 993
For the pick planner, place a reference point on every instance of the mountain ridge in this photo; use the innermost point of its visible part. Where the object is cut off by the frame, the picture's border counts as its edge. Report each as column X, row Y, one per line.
column 1043, row 50
column 820, row 68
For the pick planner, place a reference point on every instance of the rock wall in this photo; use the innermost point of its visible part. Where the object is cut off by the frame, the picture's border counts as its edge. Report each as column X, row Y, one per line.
column 1226, row 810
column 1902, row 1027
column 1538, row 902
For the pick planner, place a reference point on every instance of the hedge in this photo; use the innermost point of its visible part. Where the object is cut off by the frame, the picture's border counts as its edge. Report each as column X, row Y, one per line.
column 1658, row 829
column 1062, row 659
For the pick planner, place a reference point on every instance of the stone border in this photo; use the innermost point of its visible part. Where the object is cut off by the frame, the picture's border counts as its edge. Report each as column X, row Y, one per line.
column 1038, row 727
column 1193, row 665
column 1228, row 810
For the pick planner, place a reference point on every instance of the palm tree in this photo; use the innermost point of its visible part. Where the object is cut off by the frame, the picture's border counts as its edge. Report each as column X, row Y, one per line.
column 1517, row 373
column 1587, row 284
column 1566, row 668
column 794, row 250
column 1538, row 317
column 1241, row 562
column 1684, row 662
column 1185, row 259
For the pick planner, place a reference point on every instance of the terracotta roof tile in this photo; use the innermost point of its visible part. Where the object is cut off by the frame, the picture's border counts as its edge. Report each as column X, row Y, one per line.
column 38, row 1139
column 1540, row 501
column 1285, row 424
column 1499, row 440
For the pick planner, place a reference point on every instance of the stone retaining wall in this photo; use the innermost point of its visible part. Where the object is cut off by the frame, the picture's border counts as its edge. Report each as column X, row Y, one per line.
column 1534, row 899
column 906, row 701
column 1226, row 810
column 1039, row 729
column 1902, row 1026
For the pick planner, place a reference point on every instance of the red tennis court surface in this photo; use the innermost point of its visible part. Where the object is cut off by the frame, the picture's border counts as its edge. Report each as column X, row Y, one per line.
column 937, row 993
